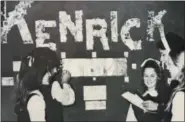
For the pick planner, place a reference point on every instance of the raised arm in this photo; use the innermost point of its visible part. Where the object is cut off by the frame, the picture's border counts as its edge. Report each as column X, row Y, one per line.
column 65, row 95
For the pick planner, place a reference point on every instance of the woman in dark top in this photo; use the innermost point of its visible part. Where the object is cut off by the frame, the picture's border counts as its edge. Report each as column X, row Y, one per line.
column 151, row 79
column 40, row 64
column 28, row 93
column 174, row 62
column 54, row 109
column 172, row 58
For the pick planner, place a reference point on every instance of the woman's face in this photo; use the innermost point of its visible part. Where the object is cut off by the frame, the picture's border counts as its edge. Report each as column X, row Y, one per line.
column 172, row 68
column 175, row 68
column 45, row 79
column 150, row 77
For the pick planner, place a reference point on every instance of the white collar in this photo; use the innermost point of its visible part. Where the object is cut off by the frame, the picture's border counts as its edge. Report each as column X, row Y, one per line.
column 152, row 93
column 37, row 92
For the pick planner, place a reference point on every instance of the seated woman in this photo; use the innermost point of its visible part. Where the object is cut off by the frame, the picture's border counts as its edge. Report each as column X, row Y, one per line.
column 151, row 78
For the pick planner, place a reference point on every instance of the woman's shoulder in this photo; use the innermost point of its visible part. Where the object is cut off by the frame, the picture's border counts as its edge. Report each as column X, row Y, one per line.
column 179, row 96
column 36, row 101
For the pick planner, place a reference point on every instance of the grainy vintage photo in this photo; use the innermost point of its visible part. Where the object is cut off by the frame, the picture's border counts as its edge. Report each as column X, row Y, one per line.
column 92, row 61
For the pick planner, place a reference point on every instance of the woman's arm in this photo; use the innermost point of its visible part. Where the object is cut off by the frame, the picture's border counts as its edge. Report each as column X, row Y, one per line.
column 65, row 96
column 68, row 91
column 36, row 108
column 178, row 107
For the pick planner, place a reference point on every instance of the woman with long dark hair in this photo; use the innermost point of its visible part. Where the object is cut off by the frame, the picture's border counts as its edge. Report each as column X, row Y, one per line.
column 172, row 58
column 151, row 74
column 42, row 64
column 28, row 84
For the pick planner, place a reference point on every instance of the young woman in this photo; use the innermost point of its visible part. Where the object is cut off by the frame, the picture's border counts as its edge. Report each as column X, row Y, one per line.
column 172, row 58
column 174, row 62
column 57, row 94
column 30, row 104
column 151, row 79
column 39, row 66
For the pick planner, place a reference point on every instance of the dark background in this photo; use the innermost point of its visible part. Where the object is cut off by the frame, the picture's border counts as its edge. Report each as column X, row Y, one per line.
column 117, row 107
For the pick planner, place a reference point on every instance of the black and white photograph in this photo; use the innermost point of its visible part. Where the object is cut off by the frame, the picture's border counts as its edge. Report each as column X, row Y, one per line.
column 64, row 61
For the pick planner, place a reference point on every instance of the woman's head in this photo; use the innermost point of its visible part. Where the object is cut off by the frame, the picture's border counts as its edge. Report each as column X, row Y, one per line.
column 27, row 80
column 43, row 60
column 174, row 60
column 150, row 73
column 40, row 62
column 46, row 61
column 31, row 80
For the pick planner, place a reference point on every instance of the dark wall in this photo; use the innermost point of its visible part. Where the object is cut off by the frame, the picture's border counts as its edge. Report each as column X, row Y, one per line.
column 116, row 106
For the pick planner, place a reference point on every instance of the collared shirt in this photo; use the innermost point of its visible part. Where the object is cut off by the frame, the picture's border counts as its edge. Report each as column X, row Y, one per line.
column 152, row 93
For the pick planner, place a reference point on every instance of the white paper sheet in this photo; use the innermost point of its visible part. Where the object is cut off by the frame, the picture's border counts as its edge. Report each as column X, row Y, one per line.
column 133, row 99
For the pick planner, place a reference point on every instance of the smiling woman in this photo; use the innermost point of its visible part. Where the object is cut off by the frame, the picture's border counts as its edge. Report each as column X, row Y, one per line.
column 102, row 45
column 150, row 79
column 151, row 74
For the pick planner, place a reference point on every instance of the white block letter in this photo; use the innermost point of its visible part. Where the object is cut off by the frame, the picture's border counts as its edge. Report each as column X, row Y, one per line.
column 153, row 22
column 40, row 28
column 65, row 22
column 114, row 26
column 90, row 33
column 24, row 31
column 125, row 35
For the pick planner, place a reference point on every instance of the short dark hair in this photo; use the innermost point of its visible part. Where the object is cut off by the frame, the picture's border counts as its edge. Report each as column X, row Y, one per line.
column 176, row 44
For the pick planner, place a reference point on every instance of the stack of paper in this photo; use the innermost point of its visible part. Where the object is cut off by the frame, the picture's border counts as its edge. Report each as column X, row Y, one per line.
column 133, row 99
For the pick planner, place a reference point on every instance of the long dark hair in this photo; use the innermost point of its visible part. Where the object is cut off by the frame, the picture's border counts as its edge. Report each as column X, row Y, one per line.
column 152, row 64
column 33, row 67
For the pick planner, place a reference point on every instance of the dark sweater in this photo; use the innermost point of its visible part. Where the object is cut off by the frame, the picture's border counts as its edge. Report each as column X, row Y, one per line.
column 22, row 111
column 147, row 116
column 54, row 109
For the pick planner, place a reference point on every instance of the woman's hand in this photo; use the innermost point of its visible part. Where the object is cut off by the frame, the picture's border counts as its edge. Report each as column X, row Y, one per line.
column 150, row 105
column 66, row 75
